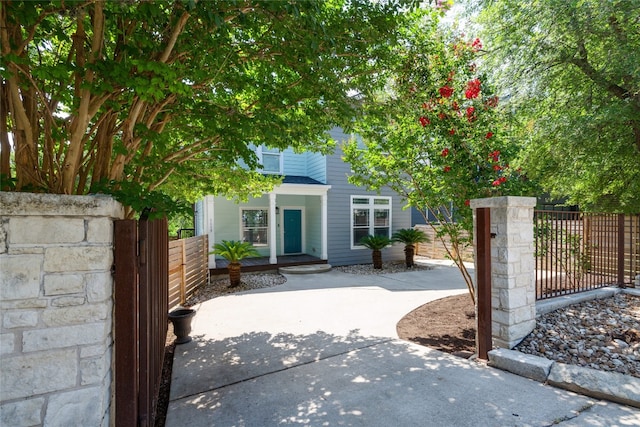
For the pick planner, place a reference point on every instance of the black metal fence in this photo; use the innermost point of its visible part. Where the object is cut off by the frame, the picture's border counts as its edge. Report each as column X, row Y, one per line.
column 579, row 251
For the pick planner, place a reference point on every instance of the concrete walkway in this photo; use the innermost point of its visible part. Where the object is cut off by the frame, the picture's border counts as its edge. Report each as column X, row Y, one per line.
column 322, row 349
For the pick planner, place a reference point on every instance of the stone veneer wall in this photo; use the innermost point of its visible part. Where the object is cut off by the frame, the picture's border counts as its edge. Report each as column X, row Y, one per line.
column 513, row 295
column 56, row 302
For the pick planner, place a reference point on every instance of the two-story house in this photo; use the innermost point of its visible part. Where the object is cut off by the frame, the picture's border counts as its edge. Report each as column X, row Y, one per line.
column 315, row 211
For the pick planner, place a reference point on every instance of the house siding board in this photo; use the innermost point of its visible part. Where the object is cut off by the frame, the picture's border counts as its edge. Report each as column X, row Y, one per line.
column 227, row 224
column 294, row 164
column 198, row 216
column 317, row 167
column 339, row 221
column 313, row 226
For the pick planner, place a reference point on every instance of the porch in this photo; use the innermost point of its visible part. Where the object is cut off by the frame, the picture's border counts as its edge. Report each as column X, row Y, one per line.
column 262, row 263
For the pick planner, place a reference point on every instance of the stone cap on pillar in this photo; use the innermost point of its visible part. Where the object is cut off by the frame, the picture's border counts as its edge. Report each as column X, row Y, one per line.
column 504, row 202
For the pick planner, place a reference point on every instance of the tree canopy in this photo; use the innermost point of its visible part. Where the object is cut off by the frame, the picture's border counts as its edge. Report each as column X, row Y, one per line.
column 136, row 96
column 436, row 136
column 572, row 72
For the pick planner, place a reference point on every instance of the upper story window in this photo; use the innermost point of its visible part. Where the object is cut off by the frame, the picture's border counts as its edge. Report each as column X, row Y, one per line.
column 271, row 159
column 369, row 215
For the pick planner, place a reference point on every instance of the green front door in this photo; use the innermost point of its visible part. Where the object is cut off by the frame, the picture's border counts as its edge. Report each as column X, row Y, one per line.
column 292, row 231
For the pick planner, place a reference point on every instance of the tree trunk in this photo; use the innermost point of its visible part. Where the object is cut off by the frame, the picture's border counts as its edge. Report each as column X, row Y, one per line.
column 409, row 251
column 377, row 259
column 234, row 274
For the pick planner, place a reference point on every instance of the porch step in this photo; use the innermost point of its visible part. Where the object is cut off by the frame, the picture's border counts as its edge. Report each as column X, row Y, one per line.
column 305, row 269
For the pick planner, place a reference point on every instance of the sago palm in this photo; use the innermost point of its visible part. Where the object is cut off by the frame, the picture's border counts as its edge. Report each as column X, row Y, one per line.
column 376, row 244
column 410, row 237
column 234, row 252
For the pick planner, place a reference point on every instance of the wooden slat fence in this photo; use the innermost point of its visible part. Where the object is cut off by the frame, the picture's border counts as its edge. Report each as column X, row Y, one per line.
column 435, row 249
column 188, row 268
column 141, row 299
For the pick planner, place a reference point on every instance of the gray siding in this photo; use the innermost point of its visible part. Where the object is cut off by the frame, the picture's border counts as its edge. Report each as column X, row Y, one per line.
column 294, row 164
column 317, row 167
column 313, row 226
column 339, row 203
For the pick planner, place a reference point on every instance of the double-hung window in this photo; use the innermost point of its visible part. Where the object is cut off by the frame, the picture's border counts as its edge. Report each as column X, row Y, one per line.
column 255, row 226
column 369, row 215
column 271, row 160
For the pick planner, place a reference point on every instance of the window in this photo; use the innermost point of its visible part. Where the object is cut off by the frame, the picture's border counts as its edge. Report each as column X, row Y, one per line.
column 255, row 226
column 369, row 215
column 271, row 160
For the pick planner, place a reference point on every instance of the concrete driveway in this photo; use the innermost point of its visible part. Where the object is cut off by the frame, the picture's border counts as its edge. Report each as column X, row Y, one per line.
column 322, row 349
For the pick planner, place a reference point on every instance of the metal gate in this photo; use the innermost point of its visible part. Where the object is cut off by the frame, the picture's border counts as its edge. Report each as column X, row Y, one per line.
column 141, row 275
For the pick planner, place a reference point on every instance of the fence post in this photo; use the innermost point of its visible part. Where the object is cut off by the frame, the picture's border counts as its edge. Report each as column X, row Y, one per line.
column 621, row 250
column 183, row 281
column 483, row 296
column 126, row 322
column 513, row 296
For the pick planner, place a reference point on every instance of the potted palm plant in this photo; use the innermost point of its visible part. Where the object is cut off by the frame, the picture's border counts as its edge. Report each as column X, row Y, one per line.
column 410, row 237
column 376, row 244
column 234, row 252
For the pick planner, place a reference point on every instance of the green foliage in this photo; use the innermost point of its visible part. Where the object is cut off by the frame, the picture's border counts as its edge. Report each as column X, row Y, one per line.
column 436, row 136
column 409, row 236
column 572, row 70
column 173, row 96
column 234, row 251
column 558, row 247
column 156, row 204
column 375, row 243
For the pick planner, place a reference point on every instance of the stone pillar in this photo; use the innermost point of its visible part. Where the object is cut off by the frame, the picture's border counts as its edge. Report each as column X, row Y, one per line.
column 513, row 297
column 56, row 302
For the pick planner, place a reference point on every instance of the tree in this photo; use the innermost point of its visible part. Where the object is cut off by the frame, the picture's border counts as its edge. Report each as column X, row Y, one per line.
column 573, row 72
column 134, row 97
column 376, row 244
column 435, row 136
column 234, row 252
column 409, row 237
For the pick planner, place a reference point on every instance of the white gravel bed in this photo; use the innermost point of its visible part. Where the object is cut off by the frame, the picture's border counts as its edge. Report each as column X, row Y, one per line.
column 219, row 285
column 600, row 334
column 387, row 268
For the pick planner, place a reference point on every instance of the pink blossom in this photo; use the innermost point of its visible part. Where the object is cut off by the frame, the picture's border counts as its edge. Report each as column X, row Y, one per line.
column 445, row 91
column 476, row 45
column 473, row 89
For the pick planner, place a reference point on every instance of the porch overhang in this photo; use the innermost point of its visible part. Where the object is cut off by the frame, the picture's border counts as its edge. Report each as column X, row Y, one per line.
column 296, row 189
column 301, row 189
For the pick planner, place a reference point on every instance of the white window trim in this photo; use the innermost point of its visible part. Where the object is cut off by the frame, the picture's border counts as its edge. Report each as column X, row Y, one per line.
column 255, row 208
column 262, row 151
column 371, row 206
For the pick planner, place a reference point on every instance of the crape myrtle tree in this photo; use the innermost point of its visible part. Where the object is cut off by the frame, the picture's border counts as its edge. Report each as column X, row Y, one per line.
column 435, row 137
column 573, row 73
column 139, row 99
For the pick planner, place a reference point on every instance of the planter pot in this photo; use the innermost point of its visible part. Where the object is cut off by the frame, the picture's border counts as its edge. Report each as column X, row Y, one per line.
column 181, row 319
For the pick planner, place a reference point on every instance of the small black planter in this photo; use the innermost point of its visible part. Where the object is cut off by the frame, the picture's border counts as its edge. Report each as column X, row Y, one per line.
column 181, row 319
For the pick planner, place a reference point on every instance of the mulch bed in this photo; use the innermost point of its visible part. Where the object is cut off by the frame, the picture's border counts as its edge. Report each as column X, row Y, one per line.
column 447, row 324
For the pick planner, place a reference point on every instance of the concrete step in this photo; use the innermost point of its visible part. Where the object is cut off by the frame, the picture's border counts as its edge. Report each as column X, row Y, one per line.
column 305, row 269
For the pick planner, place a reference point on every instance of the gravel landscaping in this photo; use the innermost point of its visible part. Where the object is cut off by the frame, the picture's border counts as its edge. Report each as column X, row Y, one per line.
column 600, row 334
